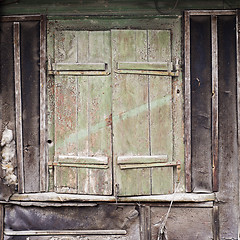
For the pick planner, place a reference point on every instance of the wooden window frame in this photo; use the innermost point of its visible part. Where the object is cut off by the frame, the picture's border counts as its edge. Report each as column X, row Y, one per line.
column 19, row 135
column 215, row 161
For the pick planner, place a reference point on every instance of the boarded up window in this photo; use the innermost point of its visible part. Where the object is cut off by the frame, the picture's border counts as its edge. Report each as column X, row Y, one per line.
column 112, row 122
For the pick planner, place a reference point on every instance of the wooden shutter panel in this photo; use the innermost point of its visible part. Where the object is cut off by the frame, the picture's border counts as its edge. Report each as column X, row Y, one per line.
column 142, row 113
column 83, row 113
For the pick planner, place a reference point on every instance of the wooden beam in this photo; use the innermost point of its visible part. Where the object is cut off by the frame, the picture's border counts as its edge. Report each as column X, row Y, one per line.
column 64, row 232
column 43, row 138
column 53, row 197
column 145, row 66
column 188, row 165
column 142, row 159
column 18, row 105
column 79, row 66
column 215, row 161
column 215, row 223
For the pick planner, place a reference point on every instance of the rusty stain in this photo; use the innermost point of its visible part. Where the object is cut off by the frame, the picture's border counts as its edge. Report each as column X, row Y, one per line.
column 109, row 120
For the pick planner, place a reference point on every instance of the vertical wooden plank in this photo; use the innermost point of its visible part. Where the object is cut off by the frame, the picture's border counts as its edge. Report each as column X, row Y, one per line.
column 238, row 102
column 214, row 103
column 65, row 127
column 188, row 165
column 201, row 100
column 30, row 72
column 50, row 103
column 215, row 223
column 130, row 111
column 100, row 106
column 43, row 139
column 160, row 103
column 18, row 104
column 1, row 221
column 228, row 145
column 66, row 94
column 162, row 180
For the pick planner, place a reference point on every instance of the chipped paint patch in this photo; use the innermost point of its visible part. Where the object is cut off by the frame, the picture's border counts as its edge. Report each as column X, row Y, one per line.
column 7, row 157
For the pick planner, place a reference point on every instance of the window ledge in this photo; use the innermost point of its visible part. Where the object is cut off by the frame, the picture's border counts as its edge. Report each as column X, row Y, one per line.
column 56, row 197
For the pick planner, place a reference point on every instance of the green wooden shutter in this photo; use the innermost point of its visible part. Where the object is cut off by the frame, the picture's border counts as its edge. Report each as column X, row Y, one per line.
column 83, row 150
column 142, row 112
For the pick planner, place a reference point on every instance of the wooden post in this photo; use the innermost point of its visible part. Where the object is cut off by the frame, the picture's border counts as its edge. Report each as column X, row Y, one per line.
column 188, row 166
column 18, row 105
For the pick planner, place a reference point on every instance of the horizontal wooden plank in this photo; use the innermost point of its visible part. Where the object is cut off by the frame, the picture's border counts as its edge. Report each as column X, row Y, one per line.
column 79, row 165
column 148, row 72
column 79, row 73
column 145, row 66
column 142, row 159
column 79, row 66
column 56, row 197
column 82, row 159
column 147, row 165
column 64, row 232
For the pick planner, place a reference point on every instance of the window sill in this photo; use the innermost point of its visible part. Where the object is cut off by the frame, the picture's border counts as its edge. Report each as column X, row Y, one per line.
column 56, row 197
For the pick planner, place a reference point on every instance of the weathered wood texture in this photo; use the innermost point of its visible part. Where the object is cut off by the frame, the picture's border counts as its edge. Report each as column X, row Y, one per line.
column 201, row 94
column 110, row 7
column 83, row 112
column 7, row 93
column 183, row 223
column 228, row 148
column 142, row 111
column 1, row 221
column 30, row 50
column 126, row 219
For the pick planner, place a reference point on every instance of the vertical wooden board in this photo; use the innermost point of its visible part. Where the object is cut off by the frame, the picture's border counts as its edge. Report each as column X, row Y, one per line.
column 66, row 179
column 1, row 221
column 228, row 144
column 82, row 131
column 82, row 46
column 160, row 104
column 201, row 98
column 30, row 77
column 162, row 180
column 99, row 102
column 160, row 95
column 65, row 123
column 66, row 47
column 130, row 111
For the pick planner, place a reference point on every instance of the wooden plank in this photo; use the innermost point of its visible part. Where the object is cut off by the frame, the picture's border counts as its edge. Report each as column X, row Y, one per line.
column 18, row 104
column 131, row 133
column 141, row 159
column 162, row 180
column 161, row 132
column 145, row 66
column 64, row 232
column 82, row 160
column 188, row 163
column 79, row 66
column 228, row 138
column 79, row 73
column 215, row 166
column 99, row 113
column 30, row 72
column 66, row 126
column 53, row 197
column 79, row 165
column 1, row 221
column 201, row 103
column 66, row 49
column 148, row 72
column 215, row 223
column 43, row 137
column 148, row 165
